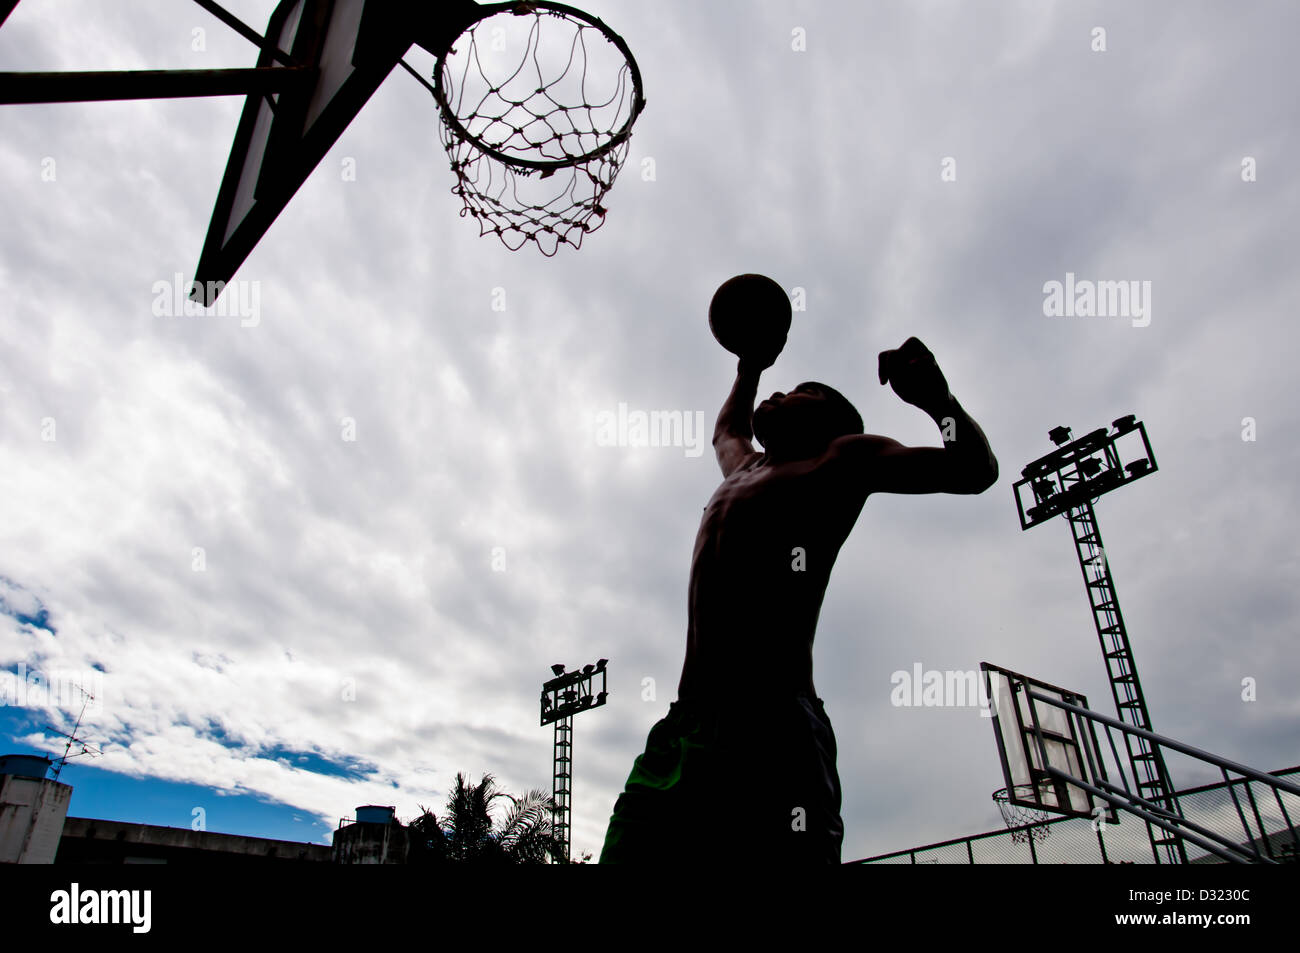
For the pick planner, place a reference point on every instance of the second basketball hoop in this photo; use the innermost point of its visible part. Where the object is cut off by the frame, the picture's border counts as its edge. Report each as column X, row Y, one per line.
column 537, row 103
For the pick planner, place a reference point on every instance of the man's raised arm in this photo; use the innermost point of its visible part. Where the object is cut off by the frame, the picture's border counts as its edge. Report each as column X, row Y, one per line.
column 733, row 436
column 965, row 463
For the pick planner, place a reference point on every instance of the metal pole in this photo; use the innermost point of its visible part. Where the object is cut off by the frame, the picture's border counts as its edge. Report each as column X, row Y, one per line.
column 101, row 85
column 1134, row 808
column 244, row 30
column 1271, row 780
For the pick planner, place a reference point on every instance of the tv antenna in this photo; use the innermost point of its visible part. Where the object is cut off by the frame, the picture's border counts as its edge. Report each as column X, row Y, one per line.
column 72, row 738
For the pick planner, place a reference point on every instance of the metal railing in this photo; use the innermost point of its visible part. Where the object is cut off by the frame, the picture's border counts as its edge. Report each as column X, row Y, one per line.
column 1227, row 808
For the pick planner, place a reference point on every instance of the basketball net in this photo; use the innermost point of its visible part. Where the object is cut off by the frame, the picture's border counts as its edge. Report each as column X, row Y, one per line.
column 1019, row 818
column 537, row 102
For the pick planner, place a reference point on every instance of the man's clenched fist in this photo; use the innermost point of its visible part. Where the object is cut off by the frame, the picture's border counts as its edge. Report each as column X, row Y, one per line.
column 914, row 375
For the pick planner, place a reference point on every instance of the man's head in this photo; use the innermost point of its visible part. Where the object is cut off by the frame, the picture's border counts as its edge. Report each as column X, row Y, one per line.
column 803, row 422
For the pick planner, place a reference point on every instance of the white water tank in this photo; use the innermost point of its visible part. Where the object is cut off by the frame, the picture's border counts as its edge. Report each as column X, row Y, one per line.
column 32, row 810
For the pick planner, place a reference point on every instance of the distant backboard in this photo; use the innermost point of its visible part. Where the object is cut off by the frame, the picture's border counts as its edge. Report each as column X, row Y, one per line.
column 349, row 47
column 1034, row 734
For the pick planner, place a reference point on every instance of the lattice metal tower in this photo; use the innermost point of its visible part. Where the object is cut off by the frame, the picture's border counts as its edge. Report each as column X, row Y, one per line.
column 1067, row 481
column 562, row 783
column 564, row 696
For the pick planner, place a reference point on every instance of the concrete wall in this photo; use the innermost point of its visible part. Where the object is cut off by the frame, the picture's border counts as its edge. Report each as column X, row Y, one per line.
column 32, row 812
column 90, row 841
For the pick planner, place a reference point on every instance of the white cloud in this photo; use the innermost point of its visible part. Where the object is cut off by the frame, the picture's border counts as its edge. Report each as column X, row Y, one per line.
column 328, row 559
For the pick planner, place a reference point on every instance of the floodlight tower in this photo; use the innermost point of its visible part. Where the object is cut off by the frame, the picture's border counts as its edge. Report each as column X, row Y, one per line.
column 1067, row 481
column 563, row 697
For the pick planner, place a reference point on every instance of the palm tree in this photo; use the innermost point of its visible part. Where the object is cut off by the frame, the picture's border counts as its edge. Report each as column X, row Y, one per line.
column 428, row 843
column 528, row 834
column 468, row 835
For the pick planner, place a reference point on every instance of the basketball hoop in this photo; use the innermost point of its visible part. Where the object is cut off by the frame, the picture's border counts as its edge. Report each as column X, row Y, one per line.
column 1019, row 819
column 537, row 102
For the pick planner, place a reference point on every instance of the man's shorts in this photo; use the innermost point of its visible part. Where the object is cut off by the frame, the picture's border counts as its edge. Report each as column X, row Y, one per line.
column 751, row 784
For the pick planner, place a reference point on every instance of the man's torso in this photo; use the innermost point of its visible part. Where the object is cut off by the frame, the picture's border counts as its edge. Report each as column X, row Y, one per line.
column 763, row 555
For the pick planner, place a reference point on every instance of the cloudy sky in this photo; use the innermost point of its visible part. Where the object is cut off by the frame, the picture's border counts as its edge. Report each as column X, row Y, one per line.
column 322, row 552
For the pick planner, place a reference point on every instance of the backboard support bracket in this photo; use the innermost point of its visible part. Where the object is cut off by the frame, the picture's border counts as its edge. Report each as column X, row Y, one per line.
column 27, row 88
column 107, row 85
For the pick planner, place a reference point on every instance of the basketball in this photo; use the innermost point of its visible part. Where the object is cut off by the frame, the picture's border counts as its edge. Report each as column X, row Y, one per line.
column 750, row 316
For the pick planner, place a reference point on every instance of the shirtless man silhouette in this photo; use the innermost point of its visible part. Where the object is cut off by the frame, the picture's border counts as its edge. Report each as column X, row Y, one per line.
column 742, row 769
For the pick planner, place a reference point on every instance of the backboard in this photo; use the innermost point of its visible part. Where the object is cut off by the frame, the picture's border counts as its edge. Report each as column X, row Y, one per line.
column 320, row 61
column 1034, row 734
column 349, row 48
